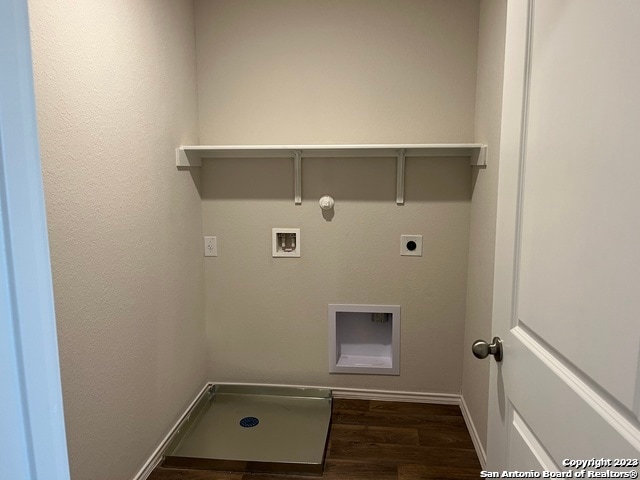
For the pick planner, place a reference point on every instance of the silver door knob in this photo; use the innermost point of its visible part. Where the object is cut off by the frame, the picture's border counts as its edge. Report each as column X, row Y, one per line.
column 482, row 349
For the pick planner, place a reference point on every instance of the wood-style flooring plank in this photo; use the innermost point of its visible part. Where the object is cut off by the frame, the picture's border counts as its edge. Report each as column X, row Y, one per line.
column 445, row 436
column 423, row 472
column 413, row 408
column 367, row 434
column 160, row 473
column 347, row 404
column 392, row 419
column 383, row 454
column 339, row 470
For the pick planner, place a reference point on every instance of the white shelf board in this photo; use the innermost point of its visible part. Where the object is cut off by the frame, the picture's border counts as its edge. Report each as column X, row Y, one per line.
column 192, row 156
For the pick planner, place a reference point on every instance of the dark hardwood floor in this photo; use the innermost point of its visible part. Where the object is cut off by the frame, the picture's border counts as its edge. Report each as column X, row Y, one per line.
column 372, row 440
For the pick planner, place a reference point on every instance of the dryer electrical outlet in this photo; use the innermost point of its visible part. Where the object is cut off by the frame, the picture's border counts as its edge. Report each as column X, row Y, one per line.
column 411, row 245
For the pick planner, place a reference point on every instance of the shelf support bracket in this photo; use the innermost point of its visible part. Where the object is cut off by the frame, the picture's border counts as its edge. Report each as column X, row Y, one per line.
column 400, row 176
column 297, row 177
column 187, row 159
column 479, row 157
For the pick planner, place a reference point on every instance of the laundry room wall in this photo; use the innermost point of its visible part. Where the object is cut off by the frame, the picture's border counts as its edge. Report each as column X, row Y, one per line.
column 116, row 93
column 356, row 71
column 491, row 44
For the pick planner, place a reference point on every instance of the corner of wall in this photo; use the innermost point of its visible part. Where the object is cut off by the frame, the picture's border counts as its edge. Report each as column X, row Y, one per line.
column 475, row 380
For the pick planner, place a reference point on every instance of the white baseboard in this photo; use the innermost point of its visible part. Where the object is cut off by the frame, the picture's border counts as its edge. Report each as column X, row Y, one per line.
column 368, row 394
column 475, row 438
column 153, row 461
column 355, row 393
column 391, row 396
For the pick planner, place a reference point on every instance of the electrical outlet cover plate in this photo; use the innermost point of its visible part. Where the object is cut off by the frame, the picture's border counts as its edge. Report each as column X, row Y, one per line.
column 411, row 245
column 210, row 246
column 291, row 234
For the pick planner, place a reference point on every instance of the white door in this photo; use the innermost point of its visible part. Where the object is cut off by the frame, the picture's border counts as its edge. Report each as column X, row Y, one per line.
column 567, row 278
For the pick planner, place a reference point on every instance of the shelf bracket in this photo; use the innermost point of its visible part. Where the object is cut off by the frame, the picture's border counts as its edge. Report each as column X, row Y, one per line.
column 400, row 176
column 297, row 177
column 188, row 159
column 479, row 157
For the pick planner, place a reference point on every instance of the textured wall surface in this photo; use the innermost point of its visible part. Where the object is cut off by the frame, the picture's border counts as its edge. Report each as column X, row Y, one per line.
column 267, row 317
column 336, row 71
column 346, row 72
column 116, row 92
column 491, row 42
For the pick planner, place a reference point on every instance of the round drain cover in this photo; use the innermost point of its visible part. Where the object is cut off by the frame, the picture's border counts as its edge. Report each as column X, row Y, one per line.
column 248, row 422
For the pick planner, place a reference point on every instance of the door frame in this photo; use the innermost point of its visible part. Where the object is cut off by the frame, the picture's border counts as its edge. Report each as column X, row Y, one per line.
column 32, row 434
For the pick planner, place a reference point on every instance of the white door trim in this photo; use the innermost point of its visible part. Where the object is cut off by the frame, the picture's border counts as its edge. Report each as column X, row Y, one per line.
column 512, row 140
column 32, row 435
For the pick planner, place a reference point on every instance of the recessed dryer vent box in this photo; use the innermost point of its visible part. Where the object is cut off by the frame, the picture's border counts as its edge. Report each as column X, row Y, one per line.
column 364, row 339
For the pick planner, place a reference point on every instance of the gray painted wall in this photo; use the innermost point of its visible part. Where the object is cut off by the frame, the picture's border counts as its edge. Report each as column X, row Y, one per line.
column 491, row 41
column 355, row 71
column 116, row 92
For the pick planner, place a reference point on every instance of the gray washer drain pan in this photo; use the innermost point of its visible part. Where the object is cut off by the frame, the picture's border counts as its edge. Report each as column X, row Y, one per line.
column 249, row 428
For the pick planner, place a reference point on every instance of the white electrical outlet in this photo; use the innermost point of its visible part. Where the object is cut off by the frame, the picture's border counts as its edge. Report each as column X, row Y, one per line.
column 411, row 245
column 210, row 247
